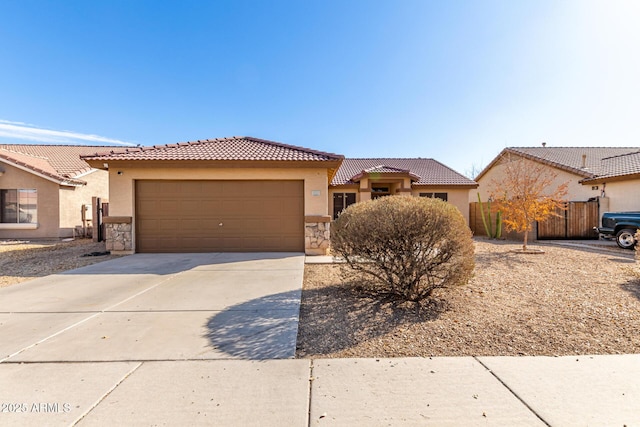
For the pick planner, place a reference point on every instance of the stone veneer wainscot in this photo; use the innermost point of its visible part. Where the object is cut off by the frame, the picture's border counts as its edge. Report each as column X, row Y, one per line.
column 317, row 234
column 118, row 234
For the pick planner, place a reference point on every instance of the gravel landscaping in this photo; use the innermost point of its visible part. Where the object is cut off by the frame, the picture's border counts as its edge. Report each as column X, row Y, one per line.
column 566, row 301
column 22, row 260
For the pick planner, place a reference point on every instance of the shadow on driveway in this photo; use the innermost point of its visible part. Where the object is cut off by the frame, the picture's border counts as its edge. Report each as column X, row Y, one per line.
column 263, row 328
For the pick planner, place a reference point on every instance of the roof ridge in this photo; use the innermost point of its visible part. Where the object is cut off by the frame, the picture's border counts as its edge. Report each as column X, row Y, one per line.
column 201, row 144
column 293, row 147
column 66, row 145
column 388, row 158
column 575, row 146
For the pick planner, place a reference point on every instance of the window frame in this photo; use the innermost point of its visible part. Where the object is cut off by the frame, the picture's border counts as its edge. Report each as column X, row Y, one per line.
column 25, row 200
column 337, row 212
column 436, row 195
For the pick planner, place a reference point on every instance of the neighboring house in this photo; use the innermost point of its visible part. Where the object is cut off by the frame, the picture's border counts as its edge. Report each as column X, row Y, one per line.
column 364, row 179
column 609, row 174
column 619, row 181
column 248, row 194
column 43, row 188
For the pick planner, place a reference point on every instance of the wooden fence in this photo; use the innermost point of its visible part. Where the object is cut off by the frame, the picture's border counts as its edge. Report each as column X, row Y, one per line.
column 574, row 222
column 475, row 218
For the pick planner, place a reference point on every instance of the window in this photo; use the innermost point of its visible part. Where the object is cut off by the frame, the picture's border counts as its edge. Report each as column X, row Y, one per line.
column 18, row 206
column 441, row 196
column 342, row 201
column 377, row 191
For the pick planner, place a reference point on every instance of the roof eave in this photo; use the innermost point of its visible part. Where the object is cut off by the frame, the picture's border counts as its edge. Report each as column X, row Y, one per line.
column 107, row 163
column 60, row 180
column 441, row 184
column 556, row 165
column 609, row 178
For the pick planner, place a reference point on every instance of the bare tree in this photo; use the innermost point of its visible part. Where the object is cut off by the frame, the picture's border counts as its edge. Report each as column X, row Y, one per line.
column 526, row 193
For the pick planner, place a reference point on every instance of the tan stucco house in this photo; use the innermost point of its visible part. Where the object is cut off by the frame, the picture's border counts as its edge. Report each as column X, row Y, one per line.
column 43, row 189
column 610, row 175
column 364, row 179
column 237, row 194
column 248, row 194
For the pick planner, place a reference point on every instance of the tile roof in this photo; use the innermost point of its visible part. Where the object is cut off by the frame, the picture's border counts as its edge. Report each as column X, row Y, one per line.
column 583, row 161
column 60, row 163
column 385, row 169
column 572, row 157
column 428, row 171
column 618, row 166
column 232, row 148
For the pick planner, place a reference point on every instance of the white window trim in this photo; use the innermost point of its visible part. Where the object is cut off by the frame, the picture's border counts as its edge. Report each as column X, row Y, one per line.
column 17, row 226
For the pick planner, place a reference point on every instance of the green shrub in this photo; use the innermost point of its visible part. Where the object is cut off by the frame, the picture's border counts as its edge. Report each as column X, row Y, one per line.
column 407, row 246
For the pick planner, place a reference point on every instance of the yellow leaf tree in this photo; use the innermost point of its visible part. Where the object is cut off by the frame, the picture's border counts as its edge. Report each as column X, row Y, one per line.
column 526, row 193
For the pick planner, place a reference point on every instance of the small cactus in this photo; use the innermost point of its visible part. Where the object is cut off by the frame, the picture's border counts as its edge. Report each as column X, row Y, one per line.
column 488, row 224
column 498, row 225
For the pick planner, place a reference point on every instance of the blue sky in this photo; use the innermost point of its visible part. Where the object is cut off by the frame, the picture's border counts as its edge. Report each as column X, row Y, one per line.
column 452, row 80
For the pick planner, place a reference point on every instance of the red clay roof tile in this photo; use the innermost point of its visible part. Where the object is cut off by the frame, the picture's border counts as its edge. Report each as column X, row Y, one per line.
column 429, row 171
column 61, row 163
column 232, row 148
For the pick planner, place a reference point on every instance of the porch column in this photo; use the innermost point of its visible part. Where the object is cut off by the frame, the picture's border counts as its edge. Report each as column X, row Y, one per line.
column 317, row 234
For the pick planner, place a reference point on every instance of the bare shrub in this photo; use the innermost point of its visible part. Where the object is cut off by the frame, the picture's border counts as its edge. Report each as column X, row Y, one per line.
column 407, row 246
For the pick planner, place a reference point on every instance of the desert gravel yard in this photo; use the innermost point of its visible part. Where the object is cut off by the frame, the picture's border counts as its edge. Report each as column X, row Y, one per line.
column 564, row 302
column 21, row 260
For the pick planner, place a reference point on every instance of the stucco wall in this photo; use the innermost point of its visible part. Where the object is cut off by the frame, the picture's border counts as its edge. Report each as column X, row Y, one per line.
column 122, row 186
column 72, row 199
column 456, row 196
column 576, row 191
column 623, row 195
column 48, row 196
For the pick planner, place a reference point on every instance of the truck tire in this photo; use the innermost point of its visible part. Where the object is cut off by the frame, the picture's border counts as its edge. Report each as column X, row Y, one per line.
column 625, row 239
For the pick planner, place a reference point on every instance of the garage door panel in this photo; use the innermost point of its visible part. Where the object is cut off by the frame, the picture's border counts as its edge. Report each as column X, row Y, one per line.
column 289, row 227
column 147, row 205
column 191, row 225
column 209, row 205
column 255, row 206
column 184, row 216
column 189, row 206
column 148, row 226
column 276, row 209
column 232, row 207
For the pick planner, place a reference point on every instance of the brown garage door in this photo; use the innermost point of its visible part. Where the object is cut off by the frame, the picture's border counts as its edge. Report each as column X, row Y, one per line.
column 219, row 216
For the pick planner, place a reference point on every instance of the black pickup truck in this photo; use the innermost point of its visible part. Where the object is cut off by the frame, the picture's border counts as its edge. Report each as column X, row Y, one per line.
column 622, row 226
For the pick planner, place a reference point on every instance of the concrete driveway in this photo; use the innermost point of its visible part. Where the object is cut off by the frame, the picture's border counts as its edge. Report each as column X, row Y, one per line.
column 157, row 307
column 182, row 340
column 76, row 347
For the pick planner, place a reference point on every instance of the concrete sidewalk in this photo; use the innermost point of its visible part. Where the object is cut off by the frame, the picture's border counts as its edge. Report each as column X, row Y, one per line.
column 208, row 339
column 461, row 391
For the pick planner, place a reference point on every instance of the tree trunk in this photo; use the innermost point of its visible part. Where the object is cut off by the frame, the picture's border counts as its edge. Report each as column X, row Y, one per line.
column 524, row 245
